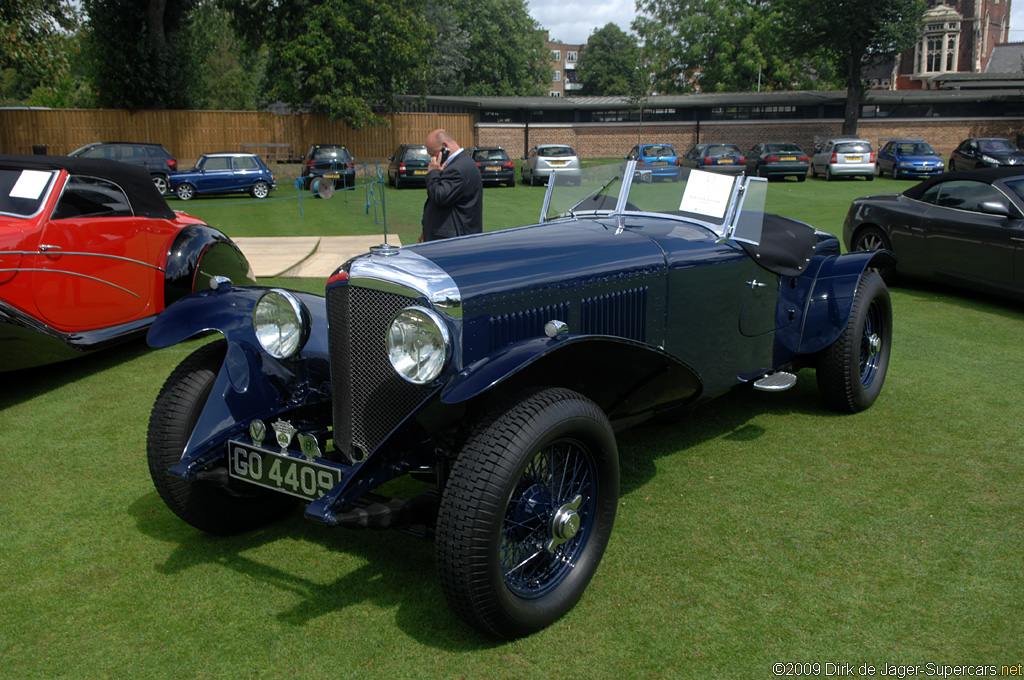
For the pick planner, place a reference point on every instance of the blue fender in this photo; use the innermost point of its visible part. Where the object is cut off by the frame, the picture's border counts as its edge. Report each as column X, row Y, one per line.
column 830, row 302
column 580, row 363
column 251, row 384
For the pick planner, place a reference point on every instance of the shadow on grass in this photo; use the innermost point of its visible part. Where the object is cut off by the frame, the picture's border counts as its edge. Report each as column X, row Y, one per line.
column 960, row 297
column 27, row 383
column 398, row 573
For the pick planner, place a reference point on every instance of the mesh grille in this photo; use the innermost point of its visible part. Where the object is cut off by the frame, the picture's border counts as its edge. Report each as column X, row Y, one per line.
column 370, row 398
column 621, row 314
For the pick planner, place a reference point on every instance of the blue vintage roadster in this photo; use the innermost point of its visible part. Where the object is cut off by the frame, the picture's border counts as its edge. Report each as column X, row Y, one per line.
column 499, row 366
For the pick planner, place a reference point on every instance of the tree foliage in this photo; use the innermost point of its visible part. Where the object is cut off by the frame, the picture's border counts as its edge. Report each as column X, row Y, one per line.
column 39, row 53
column 722, row 46
column 502, row 46
column 138, row 55
column 341, row 57
column 853, row 34
column 230, row 76
column 610, row 63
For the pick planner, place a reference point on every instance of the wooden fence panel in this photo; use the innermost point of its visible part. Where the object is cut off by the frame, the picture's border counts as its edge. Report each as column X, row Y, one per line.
column 189, row 134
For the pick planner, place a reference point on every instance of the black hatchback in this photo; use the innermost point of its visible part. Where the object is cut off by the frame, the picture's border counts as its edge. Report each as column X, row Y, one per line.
column 495, row 165
column 329, row 161
column 408, row 166
column 153, row 157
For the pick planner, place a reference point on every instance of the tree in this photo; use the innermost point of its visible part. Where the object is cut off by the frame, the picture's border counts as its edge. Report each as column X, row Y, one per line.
column 230, row 76
column 38, row 51
column 450, row 48
column 504, row 54
column 721, row 46
column 345, row 58
column 609, row 63
column 854, row 34
column 138, row 56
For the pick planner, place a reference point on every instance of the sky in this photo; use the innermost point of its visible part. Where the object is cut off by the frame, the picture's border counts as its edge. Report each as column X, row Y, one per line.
column 572, row 21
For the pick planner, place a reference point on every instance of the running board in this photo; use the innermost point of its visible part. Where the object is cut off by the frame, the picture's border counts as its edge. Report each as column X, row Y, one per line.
column 775, row 382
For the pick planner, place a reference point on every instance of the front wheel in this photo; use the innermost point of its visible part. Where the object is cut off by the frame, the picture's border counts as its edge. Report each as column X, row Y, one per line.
column 260, row 190
column 205, row 505
column 527, row 512
column 185, row 191
column 852, row 369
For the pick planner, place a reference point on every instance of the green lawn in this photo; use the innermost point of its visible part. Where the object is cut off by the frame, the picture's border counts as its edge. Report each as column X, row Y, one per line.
column 761, row 529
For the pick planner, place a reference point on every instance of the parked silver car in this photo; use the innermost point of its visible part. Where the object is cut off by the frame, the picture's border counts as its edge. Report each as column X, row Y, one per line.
column 545, row 159
column 843, row 157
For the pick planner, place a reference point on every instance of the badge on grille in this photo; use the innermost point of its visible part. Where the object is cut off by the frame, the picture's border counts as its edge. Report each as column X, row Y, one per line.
column 257, row 431
column 285, row 431
column 309, row 446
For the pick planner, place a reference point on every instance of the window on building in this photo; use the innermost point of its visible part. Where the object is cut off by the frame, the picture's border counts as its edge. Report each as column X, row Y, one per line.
column 556, row 77
column 571, row 56
column 556, row 55
column 555, row 93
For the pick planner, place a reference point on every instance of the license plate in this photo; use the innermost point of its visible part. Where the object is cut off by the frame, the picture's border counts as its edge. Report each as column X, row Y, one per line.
column 293, row 476
column 557, row 164
column 494, row 168
column 724, row 161
column 333, row 175
column 660, row 163
column 787, row 158
column 419, row 172
column 853, row 159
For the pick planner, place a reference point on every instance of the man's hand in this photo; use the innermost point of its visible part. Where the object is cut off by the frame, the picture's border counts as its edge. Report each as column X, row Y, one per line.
column 435, row 163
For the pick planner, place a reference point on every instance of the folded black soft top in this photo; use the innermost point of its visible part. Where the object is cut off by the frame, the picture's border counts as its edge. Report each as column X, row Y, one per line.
column 145, row 200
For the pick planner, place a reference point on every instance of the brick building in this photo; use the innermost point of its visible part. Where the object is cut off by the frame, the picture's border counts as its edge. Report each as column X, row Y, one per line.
column 563, row 60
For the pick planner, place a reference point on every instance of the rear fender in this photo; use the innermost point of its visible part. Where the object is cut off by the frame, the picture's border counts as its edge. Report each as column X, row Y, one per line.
column 828, row 307
column 251, row 383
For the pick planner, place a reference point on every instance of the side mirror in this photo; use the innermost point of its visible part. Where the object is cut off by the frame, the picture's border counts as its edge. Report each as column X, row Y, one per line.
column 994, row 208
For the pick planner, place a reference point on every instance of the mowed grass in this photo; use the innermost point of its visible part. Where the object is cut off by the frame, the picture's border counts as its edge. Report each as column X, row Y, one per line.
column 760, row 529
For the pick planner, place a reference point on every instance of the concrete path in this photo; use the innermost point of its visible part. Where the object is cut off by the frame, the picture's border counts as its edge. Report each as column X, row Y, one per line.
column 304, row 256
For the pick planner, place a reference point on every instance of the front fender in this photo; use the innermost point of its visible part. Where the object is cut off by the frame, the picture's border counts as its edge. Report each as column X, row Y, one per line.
column 251, row 383
column 830, row 302
column 196, row 254
column 624, row 377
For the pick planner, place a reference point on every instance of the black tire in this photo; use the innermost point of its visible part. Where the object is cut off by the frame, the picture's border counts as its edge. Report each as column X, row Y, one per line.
column 828, row 173
column 895, row 172
column 879, row 172
column 814, row 171
column 398, row 182
column 503, row 565
column 873, row 238
column 204, row 505
column 801, row 178
column 185, row 191
column 260, row 190
column 870, row 177
column 162, row 184
column 852, row 369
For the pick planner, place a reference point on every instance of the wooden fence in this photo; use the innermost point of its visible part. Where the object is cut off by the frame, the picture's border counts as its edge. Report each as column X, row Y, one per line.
column 189, row 134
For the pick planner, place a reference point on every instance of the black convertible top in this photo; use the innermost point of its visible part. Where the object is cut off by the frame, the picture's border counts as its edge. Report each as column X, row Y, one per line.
column 145, row 200
column 987, row 175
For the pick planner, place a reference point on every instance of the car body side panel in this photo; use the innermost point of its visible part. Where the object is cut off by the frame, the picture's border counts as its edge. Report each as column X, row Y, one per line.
column 971, row 246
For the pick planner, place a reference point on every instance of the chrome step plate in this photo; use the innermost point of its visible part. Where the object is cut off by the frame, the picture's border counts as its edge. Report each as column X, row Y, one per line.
column 775, row 382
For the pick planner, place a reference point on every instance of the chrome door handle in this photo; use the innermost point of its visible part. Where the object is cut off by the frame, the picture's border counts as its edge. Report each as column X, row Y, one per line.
column 45, row 247
column 756, row 284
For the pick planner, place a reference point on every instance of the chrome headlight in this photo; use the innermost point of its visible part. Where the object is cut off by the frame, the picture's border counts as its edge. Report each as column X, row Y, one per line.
column 418, row 344
column 281, row 322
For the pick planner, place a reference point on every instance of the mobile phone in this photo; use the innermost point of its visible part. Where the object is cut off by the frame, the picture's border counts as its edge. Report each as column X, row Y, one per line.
column 445, row 152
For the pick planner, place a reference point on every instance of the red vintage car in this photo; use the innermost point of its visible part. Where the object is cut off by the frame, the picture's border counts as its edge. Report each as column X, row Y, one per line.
column 90, row 253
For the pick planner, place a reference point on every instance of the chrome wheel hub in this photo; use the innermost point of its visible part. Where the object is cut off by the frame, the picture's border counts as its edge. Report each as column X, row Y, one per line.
column 874, row 344
column 565, row 523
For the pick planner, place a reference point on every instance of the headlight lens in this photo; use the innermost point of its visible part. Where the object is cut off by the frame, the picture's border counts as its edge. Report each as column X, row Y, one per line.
column 418, row 344
column 281, row 322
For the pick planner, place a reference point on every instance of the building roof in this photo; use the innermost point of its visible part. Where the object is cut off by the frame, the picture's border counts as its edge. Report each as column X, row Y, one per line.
column 1006, row 58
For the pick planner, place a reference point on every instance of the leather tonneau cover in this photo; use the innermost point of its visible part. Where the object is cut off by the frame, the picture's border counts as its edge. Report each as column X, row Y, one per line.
column 786, row 245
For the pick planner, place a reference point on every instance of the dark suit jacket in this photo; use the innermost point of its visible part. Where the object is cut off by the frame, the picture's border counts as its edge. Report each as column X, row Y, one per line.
column 455, row 200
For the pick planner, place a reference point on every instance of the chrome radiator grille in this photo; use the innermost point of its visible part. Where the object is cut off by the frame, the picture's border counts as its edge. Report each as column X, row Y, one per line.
column 369, row 398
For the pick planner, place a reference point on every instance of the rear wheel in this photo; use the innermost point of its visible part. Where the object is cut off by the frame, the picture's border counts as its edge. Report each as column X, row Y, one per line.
column 205, row 505
column 881, row 173
column 161, row 183
column 828, row 173
column 260, row 190
column 527, row 512
column 872, row 238
column 852, row 369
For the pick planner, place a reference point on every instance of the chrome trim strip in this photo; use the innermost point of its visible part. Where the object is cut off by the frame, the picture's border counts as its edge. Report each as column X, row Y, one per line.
column 81, row 276
column 410, row 274
column 54, row 251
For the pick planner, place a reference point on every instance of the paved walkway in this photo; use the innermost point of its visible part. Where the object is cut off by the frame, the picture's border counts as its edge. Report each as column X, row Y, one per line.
column 304, row 256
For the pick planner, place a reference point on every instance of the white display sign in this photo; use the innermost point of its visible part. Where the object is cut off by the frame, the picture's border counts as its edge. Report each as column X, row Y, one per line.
column 707, row 193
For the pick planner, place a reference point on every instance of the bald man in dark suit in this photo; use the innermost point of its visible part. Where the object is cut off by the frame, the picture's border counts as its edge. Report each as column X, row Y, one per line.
column 455, row 201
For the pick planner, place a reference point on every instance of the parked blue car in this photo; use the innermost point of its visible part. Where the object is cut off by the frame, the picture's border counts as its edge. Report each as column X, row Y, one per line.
column 495, row 369
column 661, row 159
column 224, row 173
column 908, row 158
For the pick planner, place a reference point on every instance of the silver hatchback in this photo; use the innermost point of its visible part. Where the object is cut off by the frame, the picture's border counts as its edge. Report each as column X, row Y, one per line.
column 843, row 157
column 545, row 160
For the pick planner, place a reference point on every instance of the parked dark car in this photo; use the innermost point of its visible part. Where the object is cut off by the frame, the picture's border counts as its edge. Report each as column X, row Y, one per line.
column 495, row 165
column 908, row 158
column 498, row 366
column 962, row 229
column 661, row 159
column 90, row 253
column 985, row 152
column 408, row 166
column 225, row 173
column 329, row 162
column 724, row 158
column 157, row 160
column 544, row 160
column 778, row 160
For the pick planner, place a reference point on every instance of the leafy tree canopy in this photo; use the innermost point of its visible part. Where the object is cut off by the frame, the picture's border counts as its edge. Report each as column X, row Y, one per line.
column 609, row 65
column 341, row 57
column 38, row 53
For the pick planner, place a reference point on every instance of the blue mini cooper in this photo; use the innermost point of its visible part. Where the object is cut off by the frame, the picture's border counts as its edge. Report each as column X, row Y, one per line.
column 498, row 367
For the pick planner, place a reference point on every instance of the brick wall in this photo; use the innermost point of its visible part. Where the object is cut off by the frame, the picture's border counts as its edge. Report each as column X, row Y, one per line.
column 613, row 140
